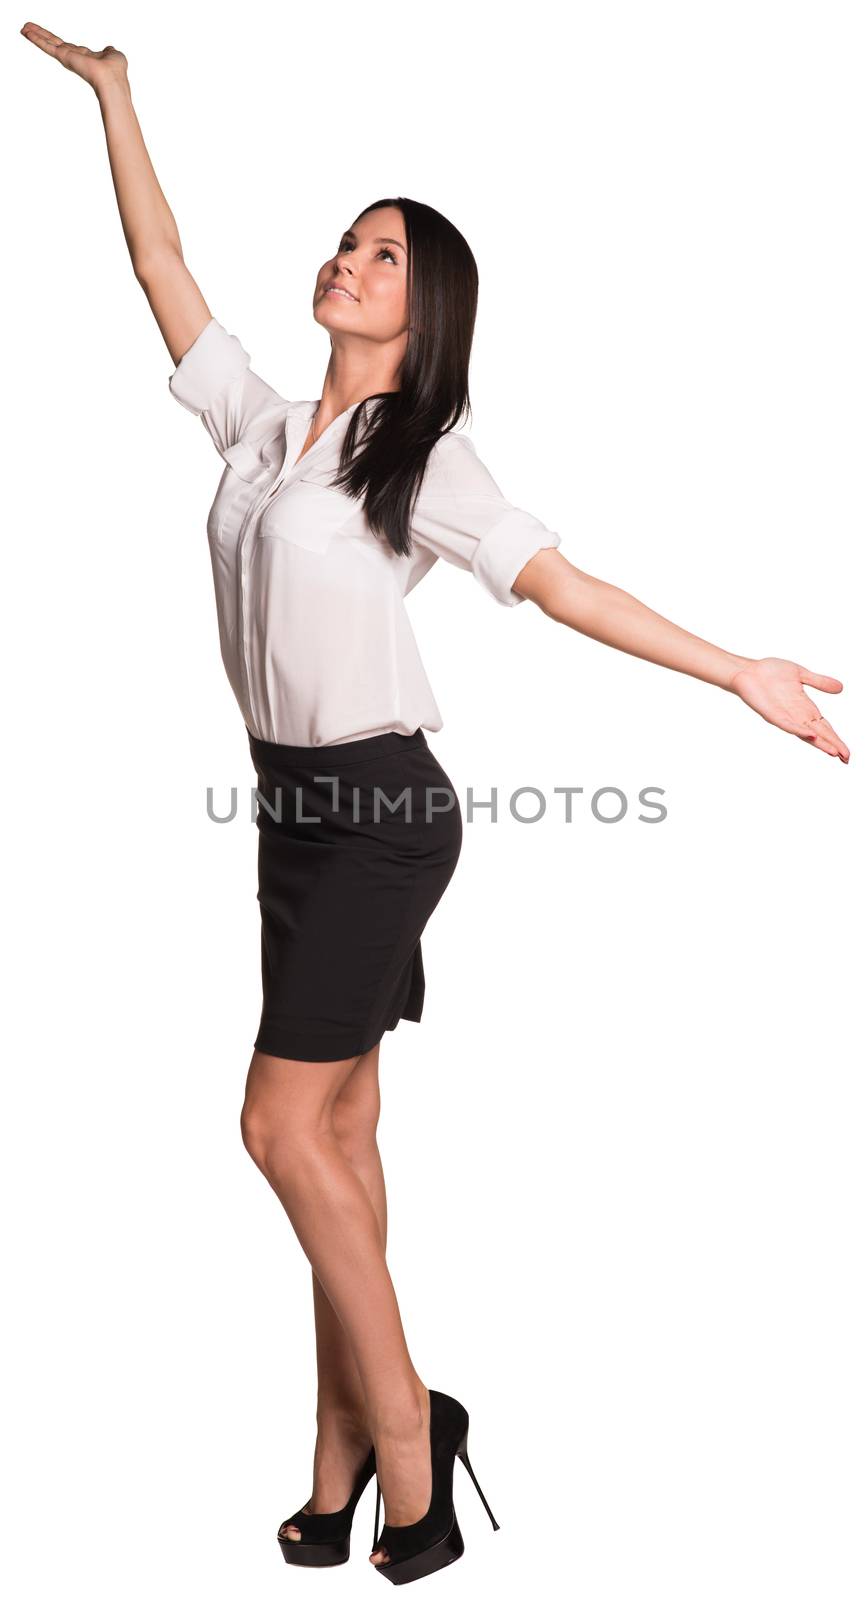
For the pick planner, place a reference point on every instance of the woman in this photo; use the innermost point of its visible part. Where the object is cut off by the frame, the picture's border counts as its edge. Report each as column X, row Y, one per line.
column 326, row 514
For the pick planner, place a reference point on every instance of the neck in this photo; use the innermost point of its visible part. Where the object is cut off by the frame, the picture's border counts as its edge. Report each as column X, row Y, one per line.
column 348, row 381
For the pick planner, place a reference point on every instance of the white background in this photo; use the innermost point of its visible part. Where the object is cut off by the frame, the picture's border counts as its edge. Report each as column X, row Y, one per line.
column 624, row 1148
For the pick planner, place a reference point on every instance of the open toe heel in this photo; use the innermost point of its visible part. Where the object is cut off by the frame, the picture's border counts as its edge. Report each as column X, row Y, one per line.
column 325, row 1535
column 416, row 1549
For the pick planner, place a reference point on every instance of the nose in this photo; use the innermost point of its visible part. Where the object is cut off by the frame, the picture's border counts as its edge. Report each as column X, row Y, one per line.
column 341, row 276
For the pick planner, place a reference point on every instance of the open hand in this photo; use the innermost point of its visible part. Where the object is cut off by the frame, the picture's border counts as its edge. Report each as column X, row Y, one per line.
column 774, row 688
column 96, row 67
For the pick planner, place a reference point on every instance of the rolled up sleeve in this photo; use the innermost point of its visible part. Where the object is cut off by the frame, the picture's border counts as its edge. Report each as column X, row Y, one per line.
column 214, row 381
column 462, row 515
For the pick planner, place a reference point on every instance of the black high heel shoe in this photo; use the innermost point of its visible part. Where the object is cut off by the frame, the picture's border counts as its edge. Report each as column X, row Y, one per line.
column 325, row 1535
column 419, row 1548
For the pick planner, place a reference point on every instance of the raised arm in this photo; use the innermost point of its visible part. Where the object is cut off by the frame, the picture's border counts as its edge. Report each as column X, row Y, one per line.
column 147, row 221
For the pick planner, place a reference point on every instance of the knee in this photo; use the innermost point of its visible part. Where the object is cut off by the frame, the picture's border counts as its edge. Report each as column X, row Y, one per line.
column 254, row 1132
column 266, row 1140
column 281, row 1141
column 285, row 1142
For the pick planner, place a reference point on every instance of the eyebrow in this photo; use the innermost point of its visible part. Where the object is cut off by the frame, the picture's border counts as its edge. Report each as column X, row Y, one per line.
column 349, row 233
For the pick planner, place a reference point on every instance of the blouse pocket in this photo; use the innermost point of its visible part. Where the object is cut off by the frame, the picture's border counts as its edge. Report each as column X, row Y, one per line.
column 306, row 514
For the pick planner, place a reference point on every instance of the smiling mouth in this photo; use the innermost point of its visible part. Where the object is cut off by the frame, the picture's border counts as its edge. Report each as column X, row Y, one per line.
column 343, row 293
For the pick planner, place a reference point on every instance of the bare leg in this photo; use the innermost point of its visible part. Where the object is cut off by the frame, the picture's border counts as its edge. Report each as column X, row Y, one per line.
column 289, row 1124
column 343, row 1436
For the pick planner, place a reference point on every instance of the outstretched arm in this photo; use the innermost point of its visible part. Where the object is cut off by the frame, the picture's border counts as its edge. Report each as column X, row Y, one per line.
column 148, row 225
column 769, row 685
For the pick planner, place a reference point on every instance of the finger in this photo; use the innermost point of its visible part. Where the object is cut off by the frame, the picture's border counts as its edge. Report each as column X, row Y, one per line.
column 819, row 680
column 52, row 43
column 48, row 42
column 33, row 27
column 830, row 746
column 818, row 743
column 64, row 53
column 828, row 732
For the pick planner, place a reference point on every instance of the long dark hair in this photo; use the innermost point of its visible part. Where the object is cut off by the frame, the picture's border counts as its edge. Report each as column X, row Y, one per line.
column 403, row 425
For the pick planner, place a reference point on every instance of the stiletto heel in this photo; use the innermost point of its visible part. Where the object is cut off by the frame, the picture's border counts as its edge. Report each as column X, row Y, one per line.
column 461, row 1451
column 416, row 1549
column 376, row 1518
column 325, row 1535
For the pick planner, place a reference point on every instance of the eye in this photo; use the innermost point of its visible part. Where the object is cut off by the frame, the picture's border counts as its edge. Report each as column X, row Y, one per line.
column 346, row 244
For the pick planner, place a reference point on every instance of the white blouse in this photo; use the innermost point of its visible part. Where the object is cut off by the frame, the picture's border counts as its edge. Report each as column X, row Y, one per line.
column 313, row 629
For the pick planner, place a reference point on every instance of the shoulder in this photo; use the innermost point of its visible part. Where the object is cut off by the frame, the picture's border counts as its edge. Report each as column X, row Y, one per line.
column 455, row 468
column 447, row 461
column 454, row 442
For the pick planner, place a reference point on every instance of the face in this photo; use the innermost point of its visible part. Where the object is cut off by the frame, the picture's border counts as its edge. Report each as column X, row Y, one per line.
column 371, row 266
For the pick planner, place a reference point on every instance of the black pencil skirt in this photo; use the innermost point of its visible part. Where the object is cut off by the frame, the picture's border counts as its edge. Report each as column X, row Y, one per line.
column 356, row 844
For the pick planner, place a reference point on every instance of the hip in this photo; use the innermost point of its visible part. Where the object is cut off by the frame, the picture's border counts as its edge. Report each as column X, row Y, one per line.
column 387, row 791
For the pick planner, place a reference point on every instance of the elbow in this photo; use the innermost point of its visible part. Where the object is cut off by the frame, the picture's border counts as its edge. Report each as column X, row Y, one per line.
column 551, row 581
column 149, row 265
